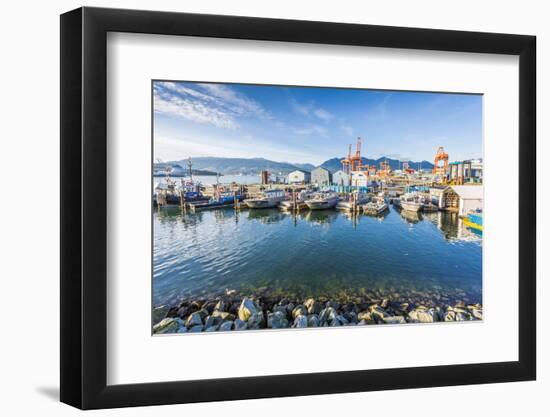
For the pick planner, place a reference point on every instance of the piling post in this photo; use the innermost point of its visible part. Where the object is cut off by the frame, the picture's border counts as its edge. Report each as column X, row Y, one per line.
column 182, row 200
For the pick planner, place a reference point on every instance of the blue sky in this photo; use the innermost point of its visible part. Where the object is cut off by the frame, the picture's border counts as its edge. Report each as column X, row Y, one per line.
column 304, row 124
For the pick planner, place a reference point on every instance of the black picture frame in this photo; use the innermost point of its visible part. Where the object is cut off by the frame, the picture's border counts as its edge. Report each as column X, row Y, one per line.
column 84, row 207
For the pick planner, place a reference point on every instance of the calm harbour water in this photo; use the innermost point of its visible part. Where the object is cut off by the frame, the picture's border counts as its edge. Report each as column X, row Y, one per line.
column 312, row 253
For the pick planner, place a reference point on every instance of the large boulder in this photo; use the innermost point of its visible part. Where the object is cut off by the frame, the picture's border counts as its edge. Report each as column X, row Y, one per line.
column 183, row 311
column 300, row 321
column 196, row 329
column 328, row 314
column 209, row 306
column 300, row 310
column 423, row 315
column 476, row 311
column 394, row 320
column 378, row 312
column 365, row 316
column 462, row 316
column 240, row 325
column 194, row 319
column 277, row 320
column 167, row 325
column 351, row 317
column 450, row 315
column 256, row 320
column 221, row 305
column 223, row 315
column 247, row 309
column 203, row 313
column 212, row 321
column 313, row 320
column 225, row 326
column 159, row 313
column 313, row 307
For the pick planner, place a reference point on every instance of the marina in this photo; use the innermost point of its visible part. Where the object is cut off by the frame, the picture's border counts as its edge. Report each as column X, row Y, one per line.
column 243, row 239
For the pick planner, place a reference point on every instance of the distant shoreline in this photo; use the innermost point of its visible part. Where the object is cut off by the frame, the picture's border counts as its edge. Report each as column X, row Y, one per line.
column 197, row 173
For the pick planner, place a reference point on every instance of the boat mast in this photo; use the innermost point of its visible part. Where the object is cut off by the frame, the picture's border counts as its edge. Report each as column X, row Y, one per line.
column 190, row 164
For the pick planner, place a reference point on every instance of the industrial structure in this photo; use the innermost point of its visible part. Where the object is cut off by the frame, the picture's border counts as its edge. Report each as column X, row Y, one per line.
column 441, row 162
column 353, row 162
column 385, row 169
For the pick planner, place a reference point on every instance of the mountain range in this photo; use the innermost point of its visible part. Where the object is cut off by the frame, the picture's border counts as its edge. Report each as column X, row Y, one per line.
column 335, row 164
column 252, row 166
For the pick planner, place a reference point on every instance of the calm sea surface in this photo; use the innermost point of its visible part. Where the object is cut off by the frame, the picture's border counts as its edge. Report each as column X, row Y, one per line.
column 312, row 253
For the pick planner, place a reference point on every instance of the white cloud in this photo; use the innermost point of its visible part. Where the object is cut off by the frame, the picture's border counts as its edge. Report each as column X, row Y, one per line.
column 193, row 110
column 310, row 110
column 311, row 130
column 213, row 104
column 238, row 103
column 347, row 129
column 323, row 114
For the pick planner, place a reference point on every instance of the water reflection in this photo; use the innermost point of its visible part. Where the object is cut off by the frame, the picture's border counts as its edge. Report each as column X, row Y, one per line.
column 266, row 215
column 412, row 217
column 320, row 216
column 208, row 251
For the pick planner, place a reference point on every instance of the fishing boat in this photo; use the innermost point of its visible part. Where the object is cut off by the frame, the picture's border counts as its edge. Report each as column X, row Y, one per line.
column 411, row 202
column 266, row 199
column 355, row 199
column 375, row 207
column 298, row 201
column 221, row 199
column 323, row 200
column 428, row 206
column 474, row 221
column 169, row 193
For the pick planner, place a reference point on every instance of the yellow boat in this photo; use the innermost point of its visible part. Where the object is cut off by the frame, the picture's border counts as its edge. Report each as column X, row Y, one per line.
column 474, row 221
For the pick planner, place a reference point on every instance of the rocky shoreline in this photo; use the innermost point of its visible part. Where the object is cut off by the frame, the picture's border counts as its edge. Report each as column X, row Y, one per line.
column 234, row 311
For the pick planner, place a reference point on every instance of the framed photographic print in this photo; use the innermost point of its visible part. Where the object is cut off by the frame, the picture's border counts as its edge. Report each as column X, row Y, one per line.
column 258, row 208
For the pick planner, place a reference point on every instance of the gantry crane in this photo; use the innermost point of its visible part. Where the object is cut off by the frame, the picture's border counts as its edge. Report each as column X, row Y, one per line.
column 353, row 162
column 441, row 162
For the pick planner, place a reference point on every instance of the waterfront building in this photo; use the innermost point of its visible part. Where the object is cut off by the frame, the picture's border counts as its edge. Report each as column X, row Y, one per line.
column 359, row 178
column 321, row 176
column 458, row 198
column 477, row 170
column 280, row 179
column 340, row 178
column 299, row 177
column 461, row 172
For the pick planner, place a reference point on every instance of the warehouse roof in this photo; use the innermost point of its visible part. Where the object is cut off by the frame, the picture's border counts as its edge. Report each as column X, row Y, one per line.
column 469, row 192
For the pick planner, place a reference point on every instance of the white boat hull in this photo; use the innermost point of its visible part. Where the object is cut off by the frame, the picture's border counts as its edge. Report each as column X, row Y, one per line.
column 322, row 204
column 409, row 206
column 262, row 202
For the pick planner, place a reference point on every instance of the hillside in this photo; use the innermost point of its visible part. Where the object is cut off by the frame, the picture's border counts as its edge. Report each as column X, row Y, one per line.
column 335, row 164
column 252, row 166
